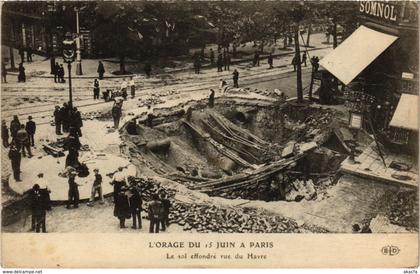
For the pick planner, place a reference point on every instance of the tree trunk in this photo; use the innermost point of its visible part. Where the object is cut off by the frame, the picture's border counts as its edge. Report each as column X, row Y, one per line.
column 285, row 41
column 12, row 59
column 309, row 34
column 122, row 64
column 298, row 68
column 335, row 43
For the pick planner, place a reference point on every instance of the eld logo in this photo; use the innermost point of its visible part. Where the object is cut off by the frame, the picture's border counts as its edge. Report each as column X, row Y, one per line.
column 390, row 250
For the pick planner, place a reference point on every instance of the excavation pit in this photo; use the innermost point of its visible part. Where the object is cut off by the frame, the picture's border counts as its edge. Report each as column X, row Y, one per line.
column 249, row 149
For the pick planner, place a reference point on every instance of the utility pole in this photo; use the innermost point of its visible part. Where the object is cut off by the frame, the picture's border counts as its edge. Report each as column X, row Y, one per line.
column 299, row 67
column 70, row 88
column 78, row 52
column 68, row 57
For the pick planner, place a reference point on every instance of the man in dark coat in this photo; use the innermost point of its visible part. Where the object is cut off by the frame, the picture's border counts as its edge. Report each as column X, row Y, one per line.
column 58, row 119
column 4, row 134
column 29, row 54
column 211, row 57
column 211, row 99
column 65, row 117
column 14, row 126
column 39, row 205
column 72, row 144
column 73, row 191
column 147, row 69
column 15, row 158
column 116, row 115
column 122, row 207
column 135, row 206
column 235, row 78
column 30, row 129
column 166, row 204
column 256, row 59
column 101, row 70
column 61, row 74
column 22, row 141
column 295, row 62
column 155, row 213
column 270, row 61
column 3, row 73
column 96, row 89
column 22, row 54
column 21, row 75
column 76, row 121
column 56, row 73
column 197, row 64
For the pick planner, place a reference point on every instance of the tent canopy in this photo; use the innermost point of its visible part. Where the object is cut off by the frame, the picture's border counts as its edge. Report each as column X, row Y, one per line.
column 355, row 53
column 407, row 113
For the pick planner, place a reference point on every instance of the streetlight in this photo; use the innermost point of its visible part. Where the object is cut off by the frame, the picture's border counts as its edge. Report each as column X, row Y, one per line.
column 68, row 57
column 78, row 52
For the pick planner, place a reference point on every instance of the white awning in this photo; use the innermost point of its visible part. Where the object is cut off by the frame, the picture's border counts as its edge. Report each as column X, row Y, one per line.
column 355, row 53
column 407, row 113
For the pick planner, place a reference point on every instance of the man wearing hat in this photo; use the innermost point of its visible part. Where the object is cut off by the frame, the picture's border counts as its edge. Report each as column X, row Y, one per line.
column 73, row 191
column 58, row 119
column 122, row 207
column 30, row 129
column 136, row 202
column 38, row 209
column 155, row 214
column 96, row 187
column 43, row 186
column 118, row 181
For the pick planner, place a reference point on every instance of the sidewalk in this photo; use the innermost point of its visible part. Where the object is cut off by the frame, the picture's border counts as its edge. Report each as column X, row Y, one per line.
column 40, row 67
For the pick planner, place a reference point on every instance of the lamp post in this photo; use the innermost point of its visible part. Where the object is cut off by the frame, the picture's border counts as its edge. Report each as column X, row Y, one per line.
column 78, row 52
column 68, row 56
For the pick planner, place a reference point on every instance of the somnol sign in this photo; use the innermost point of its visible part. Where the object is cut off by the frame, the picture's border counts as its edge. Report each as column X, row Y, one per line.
column 379, row 9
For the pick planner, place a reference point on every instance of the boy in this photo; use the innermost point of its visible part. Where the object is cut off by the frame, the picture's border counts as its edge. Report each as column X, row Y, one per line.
column 96, row 187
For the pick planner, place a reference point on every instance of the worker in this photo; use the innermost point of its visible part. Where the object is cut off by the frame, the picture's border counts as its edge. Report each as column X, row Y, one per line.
column 116, row 114
column 132, row 85
column 211, row 99
column 38, row 205
column 15, row 158
column 43, row 186
column 150, row 116
column 155, row 214
column 22, row 141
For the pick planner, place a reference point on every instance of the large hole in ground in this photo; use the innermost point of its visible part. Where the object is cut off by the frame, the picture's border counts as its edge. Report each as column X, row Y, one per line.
column 249, row 150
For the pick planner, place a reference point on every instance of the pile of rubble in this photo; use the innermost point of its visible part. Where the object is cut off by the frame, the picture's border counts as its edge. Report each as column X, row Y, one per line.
column 154, row 100
column 211, row 218
column 404, row 209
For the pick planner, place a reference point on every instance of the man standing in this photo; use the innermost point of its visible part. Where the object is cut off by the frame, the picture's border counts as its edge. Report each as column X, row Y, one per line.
column 58, row 120
column 270, row 61
column 72, row 144
column 29, row 54
column 166, row 204
column 101, row 70
column 197, row 64
column 124, row 85
column 219, row 63
column 118, row 181
column 22, row 140
column 31, row 128
column 96, row 187
column 295, row 62
column 76, row 121
column 43, row 186
column 61, row 74
column 65, row 117
column 38, row 208
column 211, row 57
column 15, row 158
column 147, row 69
column 135, row 206
column 150, row 116
column 96, row 89
column 235, row 78
column 256, row 59
column 73, row 191
column 122, row 207
column 211, row 99
column 14, row 126
column 116, row 115
column 4, row 134
column 132, row 88
column 304, row 58
column 155, row 214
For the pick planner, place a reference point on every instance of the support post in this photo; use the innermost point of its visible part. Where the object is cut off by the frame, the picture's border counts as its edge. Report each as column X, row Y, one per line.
column 70, row 88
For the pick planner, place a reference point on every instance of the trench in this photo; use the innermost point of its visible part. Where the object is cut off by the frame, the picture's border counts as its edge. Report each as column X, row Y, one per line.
column 240, row 149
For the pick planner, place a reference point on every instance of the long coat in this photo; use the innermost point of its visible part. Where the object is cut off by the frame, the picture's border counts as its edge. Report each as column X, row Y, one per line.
column 122, row 207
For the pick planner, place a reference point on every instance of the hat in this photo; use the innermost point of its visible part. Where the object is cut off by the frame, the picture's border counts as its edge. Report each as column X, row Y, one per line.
column 120, row 168
column 40, row 174
column 95, row 169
